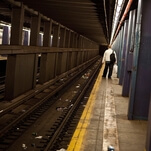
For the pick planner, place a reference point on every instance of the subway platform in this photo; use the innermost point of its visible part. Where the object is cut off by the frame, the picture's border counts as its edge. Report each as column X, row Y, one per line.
column 104, row 125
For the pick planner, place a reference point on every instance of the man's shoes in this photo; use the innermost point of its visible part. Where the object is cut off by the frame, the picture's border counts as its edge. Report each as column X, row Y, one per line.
column 109, row 77
column 103, row 77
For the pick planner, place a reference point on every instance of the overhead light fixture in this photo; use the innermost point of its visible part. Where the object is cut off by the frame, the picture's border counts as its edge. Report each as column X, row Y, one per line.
column 117, row 12
column 120, row 2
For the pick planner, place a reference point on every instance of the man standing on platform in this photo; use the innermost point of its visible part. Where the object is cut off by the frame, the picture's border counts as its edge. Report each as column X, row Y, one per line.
column 109, row 58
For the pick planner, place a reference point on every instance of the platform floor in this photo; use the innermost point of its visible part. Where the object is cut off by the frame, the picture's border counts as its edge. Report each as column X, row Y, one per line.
column 104, row 121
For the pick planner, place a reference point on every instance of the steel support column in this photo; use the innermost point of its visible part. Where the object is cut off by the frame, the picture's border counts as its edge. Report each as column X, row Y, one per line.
column 79, row 42
column 119, row 56
column 35, row 29
column 16, row 71
column 56, row 43
column 76, row 41
column 73, row 59
column 69, row 62
column 141, row 84
column 56, row 34
column 34, row 41
column 62, row 37
column 128, row 54
column 146, row 64
column 124, row 38
column 17, row 26
column 19, row 75
column 46, row 58
column 72, row 40
column 148, row 138
column 116, row 47
column 68, row 35
column 47, row 33
column 67, row 45
column 63, row 55
column 135, row 61
column 64, row 62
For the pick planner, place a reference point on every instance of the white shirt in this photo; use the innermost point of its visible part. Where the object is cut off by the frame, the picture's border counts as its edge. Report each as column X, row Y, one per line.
column 106, row 56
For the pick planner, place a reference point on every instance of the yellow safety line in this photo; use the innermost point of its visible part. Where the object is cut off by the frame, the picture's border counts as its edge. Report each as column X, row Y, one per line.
column 77, row 138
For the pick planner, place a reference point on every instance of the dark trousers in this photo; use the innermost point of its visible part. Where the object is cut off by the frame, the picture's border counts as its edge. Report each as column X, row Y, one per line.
column 109, row 66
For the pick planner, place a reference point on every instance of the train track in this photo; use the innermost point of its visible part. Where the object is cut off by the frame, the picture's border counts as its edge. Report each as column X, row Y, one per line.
column 19, row 117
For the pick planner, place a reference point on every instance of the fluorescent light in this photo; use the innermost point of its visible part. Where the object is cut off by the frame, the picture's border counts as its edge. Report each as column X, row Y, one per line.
column 117, row 13
column 118, row 9
column 120, row 2
column 3, row 24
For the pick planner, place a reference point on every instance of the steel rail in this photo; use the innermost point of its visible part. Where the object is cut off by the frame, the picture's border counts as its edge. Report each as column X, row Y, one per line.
column 40, row 88
column 79, row 96
column 14, row 122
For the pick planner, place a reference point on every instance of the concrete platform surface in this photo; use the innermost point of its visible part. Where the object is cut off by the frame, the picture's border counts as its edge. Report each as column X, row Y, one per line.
column 105, row 122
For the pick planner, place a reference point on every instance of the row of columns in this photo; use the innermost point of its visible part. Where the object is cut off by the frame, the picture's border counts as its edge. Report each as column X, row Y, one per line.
column 133, row 45
column 21, row 71
column 67, row 38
